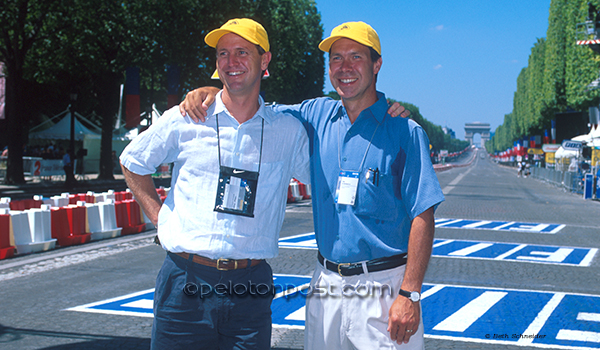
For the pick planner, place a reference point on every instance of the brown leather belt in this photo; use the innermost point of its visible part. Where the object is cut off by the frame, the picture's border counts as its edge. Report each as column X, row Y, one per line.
column 221, row 264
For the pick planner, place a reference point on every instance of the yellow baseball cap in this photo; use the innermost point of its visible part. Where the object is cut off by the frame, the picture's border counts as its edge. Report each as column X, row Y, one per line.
column 244, row 27
column 357, row 31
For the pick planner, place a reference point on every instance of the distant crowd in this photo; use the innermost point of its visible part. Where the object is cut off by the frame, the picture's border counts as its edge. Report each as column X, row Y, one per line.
column 48, row 151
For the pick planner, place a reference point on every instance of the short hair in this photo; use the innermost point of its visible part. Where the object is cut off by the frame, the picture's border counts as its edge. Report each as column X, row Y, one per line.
column 374, row 55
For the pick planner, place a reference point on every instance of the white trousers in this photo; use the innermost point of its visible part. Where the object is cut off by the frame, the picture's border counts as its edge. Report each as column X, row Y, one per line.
column 352, row 312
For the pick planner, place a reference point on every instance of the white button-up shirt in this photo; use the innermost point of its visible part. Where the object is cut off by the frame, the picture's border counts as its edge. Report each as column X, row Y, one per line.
column 186, row 221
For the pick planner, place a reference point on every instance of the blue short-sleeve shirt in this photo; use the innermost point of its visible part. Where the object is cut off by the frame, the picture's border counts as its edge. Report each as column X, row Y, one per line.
column 378, row 224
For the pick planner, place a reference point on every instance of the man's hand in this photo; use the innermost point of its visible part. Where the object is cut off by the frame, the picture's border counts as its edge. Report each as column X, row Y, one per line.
column 397, row 109
column 404, row 320
column 196, row 102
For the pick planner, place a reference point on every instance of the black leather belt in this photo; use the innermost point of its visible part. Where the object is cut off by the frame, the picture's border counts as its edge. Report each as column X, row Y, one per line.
column 353, row 269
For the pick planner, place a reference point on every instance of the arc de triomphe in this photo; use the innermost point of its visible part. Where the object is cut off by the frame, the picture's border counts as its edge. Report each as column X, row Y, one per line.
column 477, row 128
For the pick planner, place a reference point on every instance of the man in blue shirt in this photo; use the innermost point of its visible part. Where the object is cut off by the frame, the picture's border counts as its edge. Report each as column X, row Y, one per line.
column 374, row 192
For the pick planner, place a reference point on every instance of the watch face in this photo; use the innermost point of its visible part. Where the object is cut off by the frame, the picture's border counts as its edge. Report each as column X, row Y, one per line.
column 415, row 296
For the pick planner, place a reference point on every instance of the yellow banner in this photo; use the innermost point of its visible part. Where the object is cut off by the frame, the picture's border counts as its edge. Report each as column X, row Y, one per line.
column 550, row 158
column 595, row 156
column 535, row 151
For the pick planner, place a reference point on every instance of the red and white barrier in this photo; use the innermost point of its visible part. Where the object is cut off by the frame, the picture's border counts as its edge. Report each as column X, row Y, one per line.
column 7, row 241
column 129, row 215
column 295, row 190
column 31, row 230
column 101, row 220
column 68, row 225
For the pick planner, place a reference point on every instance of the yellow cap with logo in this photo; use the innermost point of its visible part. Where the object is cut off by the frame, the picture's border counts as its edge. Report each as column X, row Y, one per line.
column 248, row 29
column 357, row 31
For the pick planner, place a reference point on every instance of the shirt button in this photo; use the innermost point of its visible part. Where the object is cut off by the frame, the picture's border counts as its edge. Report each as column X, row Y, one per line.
column 344, row 159
column 339, row 210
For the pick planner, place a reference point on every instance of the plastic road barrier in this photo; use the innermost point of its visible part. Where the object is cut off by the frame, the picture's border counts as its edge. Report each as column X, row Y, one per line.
column 7, row 242
column 31, row 230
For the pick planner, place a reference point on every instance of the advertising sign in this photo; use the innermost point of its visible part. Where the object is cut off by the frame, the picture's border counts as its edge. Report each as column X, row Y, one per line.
column 570, row 145
column 48, row 167
column 596, row 157
column 537, row 151
column 550, row 147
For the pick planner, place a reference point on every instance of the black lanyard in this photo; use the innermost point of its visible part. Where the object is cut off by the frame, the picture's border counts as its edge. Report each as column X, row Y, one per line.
column 261, row 142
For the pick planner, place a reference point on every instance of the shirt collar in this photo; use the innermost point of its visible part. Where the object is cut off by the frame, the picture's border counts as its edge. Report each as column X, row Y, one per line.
column 219, row 107
column 377, row 110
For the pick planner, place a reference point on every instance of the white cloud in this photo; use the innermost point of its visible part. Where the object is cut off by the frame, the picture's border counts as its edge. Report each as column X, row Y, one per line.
column 439, row 27
column 437, row 67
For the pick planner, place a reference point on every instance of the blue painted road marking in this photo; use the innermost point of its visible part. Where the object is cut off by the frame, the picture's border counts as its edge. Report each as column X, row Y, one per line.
column 135, row 304
column 498, row 225
column 288, row 308
column 540, row 319
column 483, row 250
column 514, row 252
column 472, row 314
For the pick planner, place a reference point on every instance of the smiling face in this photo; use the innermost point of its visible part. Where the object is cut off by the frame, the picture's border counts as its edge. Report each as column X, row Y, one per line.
column 352, row 72
column 240, row 65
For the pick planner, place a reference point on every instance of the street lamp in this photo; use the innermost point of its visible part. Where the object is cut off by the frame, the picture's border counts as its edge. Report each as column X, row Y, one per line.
column 73, row 97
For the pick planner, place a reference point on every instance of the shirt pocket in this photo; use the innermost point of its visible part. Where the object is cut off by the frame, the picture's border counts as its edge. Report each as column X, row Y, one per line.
column 376, row 201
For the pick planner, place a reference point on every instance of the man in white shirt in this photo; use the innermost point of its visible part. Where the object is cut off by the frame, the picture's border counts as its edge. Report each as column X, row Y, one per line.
column 225, row 209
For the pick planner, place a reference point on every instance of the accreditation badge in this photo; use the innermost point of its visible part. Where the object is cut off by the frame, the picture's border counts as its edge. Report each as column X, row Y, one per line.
column 347, row 186
column 236, row 191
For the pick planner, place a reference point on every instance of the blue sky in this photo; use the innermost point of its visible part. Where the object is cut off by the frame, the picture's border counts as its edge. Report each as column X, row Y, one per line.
column 458, row 61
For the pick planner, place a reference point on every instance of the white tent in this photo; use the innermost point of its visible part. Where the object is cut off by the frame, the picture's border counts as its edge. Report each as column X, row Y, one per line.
column 562, row 153
column 583, row 138
column 62, row 130
column 595, row 137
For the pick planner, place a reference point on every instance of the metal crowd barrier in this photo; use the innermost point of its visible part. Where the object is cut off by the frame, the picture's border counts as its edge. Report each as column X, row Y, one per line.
column 570, row 181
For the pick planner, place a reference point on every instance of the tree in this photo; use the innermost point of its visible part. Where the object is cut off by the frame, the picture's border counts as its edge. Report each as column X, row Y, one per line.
column 556, row 78
column 23, row 25
column 437, row 138
column 86, row 45
column 295, row 31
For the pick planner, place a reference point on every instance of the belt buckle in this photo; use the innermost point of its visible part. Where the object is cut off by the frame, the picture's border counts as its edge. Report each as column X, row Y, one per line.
column 342, row 265
column 225, row 262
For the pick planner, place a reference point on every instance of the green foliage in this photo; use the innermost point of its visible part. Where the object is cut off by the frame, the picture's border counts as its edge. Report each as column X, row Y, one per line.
column 297, row 67
column 24, row 24
column 84, row 46
column 437, row 138
column 333, row 95
column 556, row 77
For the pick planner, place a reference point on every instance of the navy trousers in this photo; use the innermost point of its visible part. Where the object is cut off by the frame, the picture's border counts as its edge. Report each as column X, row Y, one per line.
column 229, row 309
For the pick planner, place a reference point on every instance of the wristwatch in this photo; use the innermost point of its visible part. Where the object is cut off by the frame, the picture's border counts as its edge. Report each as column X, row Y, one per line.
column 413, row 296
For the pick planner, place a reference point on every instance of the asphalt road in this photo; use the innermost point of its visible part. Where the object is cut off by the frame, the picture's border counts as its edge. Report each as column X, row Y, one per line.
column 513, row 256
